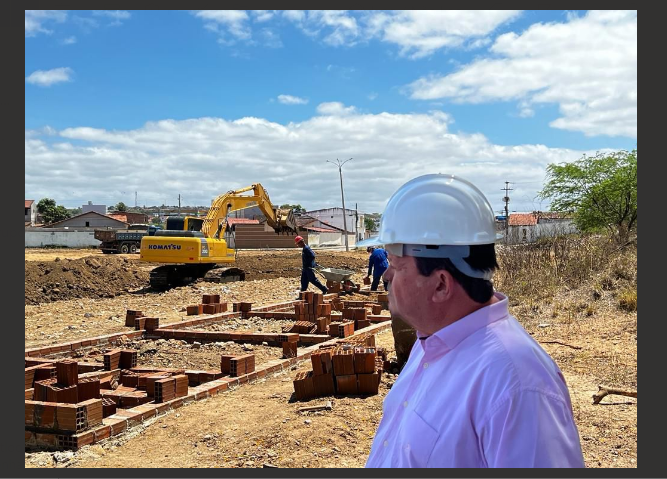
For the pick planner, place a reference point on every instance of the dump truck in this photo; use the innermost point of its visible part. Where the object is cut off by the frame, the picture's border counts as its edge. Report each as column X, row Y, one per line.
column 125, row 240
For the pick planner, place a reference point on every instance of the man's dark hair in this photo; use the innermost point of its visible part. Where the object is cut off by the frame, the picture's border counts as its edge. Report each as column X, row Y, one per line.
column 482, row 257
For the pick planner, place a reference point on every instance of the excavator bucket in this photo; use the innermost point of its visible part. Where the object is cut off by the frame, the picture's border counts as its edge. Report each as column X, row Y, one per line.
column 287, row 220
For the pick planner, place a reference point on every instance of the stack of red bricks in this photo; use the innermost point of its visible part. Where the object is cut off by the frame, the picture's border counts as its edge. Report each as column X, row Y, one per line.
column 63, row 388
column 383, row 299
column 237, row 365
column 289, row 342
column 243, row 308
column 63, row 418
column 138, row 321
column 142, row 387
column 130, row 317
column 358, row 315
column 334, row 286
column 313, row 315
column 343, row 370
column 120, row 358
column 313, row 307
column 147, row 323
column 341, row 329
column 302, row 327
column 210, row 304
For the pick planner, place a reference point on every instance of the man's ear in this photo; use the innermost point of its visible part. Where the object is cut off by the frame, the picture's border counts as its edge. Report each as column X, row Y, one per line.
column 442, row 285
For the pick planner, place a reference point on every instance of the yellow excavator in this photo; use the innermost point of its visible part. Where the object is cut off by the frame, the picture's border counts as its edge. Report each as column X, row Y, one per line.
column 196, row 248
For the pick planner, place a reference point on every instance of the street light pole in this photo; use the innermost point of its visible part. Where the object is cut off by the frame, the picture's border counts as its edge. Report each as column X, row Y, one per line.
column 342, row 196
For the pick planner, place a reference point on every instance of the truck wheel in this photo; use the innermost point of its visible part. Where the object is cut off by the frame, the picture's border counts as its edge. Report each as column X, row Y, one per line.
column 124, row 248
column 133, row 248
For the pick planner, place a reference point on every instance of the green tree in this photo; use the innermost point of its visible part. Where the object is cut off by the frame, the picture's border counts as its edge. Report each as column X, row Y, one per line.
column 120, row 207
column 601, row 191
column 298, row 209
column 369, row 223
column 51, row 212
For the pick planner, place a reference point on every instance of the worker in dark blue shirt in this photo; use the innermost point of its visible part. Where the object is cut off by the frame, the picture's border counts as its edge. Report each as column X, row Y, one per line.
column 377, row 264
column 308, row 263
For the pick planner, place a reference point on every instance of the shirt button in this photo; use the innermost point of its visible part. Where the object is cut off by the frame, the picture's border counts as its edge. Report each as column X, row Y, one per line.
column 405, row 404
column 385, row 444
column 425, row 365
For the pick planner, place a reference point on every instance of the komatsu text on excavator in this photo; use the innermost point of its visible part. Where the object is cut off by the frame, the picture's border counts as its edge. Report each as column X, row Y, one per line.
column 201, row 247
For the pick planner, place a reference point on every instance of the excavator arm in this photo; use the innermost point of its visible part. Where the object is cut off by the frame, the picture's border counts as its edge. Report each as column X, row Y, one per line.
column 215, row 221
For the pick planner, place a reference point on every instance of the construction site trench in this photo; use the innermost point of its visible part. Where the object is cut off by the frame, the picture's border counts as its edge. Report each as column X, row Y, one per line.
column 72, row 296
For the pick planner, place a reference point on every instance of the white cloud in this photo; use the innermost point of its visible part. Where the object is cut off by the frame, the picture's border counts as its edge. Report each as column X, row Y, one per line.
column 50, row 77
column 86, row 24
column 230, row 25
column 115, row 14
column 372, row 96
column 177, row 157
column 262, row 15
column 35, row 20
column 335, row 109
column 420, row 33
column 588, row 66
column 291, row 100
column 270, row 38
column 69, row 40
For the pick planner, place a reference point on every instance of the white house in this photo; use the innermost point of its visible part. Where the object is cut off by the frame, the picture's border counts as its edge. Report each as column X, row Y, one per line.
column 334, row 217
column 30, row 212
column 528, row 227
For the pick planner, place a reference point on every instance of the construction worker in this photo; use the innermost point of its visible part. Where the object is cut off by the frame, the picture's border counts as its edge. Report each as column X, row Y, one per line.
column 308, row 263
column 477, row 390
column 377, row 264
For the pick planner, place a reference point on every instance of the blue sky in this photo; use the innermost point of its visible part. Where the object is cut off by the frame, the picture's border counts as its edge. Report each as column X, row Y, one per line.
column 199, row 102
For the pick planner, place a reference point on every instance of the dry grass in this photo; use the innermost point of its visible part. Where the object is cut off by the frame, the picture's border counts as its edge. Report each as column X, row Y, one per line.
column 582, row 292
column 537, row 272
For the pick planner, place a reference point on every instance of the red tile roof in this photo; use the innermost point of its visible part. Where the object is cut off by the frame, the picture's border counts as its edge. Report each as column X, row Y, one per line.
column 523, row 219
column 320, row 230
column 28, row 203
column 242, row 221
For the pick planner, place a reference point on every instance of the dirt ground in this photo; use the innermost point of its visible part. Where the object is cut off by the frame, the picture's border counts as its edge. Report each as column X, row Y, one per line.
column 259, row 423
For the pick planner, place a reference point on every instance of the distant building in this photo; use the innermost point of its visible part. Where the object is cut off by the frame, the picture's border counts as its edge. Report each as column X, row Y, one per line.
column 529, row 227
column 323, row 233
column 90, row 219
column 101, row 209
column 129, row 217
column 334, row 217
column 30, row 212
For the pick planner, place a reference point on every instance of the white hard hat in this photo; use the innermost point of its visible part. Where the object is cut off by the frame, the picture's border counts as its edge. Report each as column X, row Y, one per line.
column 437, row 216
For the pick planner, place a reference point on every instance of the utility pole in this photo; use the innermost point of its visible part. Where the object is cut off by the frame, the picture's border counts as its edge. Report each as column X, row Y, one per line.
column 342, row 196
column 135, row 199
column 179, row 204
column 506, row 199
column 356, row 223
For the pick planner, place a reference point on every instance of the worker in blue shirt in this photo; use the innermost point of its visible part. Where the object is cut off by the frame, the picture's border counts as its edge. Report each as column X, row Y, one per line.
column 308, row 263
column 377, row 264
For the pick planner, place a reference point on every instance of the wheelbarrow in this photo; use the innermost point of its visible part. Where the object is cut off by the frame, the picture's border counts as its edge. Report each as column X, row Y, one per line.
column 341, row 276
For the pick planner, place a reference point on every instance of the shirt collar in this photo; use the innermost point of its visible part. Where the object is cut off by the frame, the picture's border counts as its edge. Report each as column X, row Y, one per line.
column 450, row 336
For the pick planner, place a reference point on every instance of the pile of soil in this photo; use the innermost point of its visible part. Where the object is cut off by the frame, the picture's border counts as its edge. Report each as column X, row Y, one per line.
column 98, row 277
column 107, row 276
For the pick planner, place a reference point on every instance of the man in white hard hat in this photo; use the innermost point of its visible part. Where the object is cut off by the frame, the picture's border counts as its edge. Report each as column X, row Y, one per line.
column 477, row 390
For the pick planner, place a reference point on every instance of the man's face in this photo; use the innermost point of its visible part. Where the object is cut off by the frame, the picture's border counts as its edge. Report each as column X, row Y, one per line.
column 301, row 244
column 409, row 291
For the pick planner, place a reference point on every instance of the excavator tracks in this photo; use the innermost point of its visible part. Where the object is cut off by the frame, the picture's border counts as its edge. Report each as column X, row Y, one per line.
column 173, row 275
